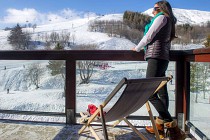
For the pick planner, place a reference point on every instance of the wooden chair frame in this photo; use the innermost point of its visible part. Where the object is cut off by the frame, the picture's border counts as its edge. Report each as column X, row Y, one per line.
column 102, row 116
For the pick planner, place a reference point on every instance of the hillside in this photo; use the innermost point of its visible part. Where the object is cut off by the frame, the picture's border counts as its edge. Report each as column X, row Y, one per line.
column 188, row 16
column 49, row 97
column 79, row 29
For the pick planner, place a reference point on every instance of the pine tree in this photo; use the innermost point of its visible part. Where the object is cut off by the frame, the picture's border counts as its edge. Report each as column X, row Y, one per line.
column 57, row 66
column 59, row 47
column 195, row 81
column 136, row 20
column 207, row 43
column 193, row 77
column 18, row 39
column 204, row 77
column 198, row 79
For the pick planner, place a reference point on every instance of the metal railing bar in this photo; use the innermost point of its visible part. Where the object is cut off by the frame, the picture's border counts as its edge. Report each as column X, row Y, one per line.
column 196, row 130
column 32, row 113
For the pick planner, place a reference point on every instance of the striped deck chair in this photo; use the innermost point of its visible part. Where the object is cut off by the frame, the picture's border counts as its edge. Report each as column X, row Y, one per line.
column 135, row 94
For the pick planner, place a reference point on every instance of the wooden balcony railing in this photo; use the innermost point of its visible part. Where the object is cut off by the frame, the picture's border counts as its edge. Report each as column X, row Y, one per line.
column 182, row 68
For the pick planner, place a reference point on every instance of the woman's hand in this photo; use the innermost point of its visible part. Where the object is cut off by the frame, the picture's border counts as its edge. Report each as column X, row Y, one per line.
column 133, row 49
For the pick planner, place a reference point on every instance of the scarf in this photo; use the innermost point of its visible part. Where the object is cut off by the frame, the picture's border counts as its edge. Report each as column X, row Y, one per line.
column 146, row 29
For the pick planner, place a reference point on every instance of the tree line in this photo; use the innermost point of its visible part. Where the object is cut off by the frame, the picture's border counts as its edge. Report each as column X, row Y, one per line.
column 186, row 33
column 132, row 28
column 199, row 74
column 22, row 40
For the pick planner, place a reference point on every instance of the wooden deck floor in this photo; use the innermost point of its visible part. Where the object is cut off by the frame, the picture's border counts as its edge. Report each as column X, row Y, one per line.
column 14, row 130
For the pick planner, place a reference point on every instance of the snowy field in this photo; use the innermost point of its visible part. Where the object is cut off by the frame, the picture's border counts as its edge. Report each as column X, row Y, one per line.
column 49, row 97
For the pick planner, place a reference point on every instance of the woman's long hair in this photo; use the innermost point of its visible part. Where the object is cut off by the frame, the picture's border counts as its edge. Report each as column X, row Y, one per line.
column 165, row 7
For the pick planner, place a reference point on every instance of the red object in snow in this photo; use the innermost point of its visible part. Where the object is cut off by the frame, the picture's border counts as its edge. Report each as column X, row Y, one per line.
column 92, row 108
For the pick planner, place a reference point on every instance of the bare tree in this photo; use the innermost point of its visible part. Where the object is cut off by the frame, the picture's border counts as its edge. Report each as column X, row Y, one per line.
column 64, row 38
column 34, row 73
column 85, row 70
column 73, row 37
column 86, row 67
column 54, row 37
column 47, row 40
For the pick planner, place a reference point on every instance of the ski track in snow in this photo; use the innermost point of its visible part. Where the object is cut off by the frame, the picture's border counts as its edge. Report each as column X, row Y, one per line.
column 49, row 97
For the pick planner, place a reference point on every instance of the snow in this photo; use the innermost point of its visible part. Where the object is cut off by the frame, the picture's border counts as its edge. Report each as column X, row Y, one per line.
column 115, row 17
column 79, row 28
column 188, row 16
column 49, row 97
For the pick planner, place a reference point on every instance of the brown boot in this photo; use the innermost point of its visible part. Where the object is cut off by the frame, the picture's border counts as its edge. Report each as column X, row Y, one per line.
column 160, row 126
column 173, row 132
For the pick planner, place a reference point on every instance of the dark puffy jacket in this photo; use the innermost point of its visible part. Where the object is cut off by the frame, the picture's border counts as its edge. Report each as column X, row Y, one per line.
column 160, row 46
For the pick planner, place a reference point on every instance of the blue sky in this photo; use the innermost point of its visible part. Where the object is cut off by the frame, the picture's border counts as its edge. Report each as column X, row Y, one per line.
column 40, row 11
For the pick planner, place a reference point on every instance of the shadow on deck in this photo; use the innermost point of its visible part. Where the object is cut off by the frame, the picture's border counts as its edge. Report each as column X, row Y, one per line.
column 10, row 130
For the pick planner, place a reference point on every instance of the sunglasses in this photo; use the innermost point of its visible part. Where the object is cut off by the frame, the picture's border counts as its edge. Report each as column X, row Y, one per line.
column 156, row 8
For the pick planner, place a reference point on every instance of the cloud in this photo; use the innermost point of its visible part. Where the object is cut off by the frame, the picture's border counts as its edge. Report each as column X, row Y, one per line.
column 30, row 15
column 89, row 14
column 68, row 13
column 20, row 16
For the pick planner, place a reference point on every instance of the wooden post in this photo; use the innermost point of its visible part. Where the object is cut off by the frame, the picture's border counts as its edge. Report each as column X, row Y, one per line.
column 103, row 122
column 70, row 91
column 70, row 116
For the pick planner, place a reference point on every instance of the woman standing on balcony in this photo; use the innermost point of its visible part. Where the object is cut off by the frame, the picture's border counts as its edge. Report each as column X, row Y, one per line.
column 156, row 43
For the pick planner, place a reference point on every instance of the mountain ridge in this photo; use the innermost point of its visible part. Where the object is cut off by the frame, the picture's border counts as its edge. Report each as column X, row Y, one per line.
column 186, row 16
column 79, row 29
